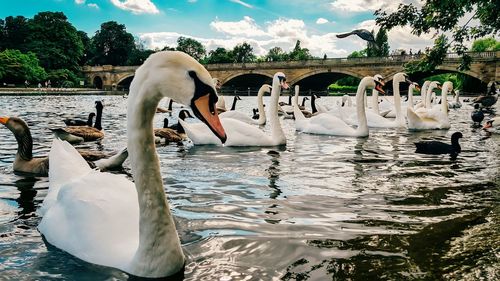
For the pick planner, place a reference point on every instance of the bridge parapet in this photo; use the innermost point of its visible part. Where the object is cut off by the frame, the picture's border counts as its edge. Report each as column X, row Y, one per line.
column 485, row 66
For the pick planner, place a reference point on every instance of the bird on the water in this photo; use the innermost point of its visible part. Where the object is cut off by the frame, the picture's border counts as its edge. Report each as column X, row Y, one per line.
column 438, row 147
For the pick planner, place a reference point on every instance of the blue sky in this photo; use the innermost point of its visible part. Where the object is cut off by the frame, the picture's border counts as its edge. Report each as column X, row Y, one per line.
column 225, row 23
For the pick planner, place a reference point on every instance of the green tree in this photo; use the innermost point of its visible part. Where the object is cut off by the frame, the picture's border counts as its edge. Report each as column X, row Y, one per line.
column 16, row 67
column 431, row 59
column 381, row 46
column 191, row 47
column 219, row 55
column 444, row 16
column 299, row 53
column 276, row 54
column 485, row 44
column 357, row 54
column 112, row 44
column 14, row 33
column 87, row 48
column 55, row 41
column 243, row 53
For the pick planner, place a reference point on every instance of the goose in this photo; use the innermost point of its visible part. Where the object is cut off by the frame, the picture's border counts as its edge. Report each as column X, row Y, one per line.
column 456, row 103
column 240, row 133
column 167, row 134
column 434, row 118
column 328, row 124
column 247, row 119
column 108, row 220
column 78, row 122
column 493, row 125
column 376, row 121
column 477, row 115
column 39, row 166
column 86, row 132
column 183, row 114
column 437, row 147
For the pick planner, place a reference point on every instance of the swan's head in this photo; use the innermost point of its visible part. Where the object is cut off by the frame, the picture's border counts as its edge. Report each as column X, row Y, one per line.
column 415, row 86
column 265, row 88
column 178, row 76
column 282, row 79
column 376, row 83
column 401, row 77
column 435, row 84
column 448, row 86
column 379, row 78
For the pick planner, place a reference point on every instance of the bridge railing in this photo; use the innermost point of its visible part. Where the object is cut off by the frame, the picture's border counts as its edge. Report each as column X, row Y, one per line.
column 347, row 61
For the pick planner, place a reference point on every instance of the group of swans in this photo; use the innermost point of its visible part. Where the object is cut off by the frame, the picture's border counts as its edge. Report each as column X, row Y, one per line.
column 240, row 133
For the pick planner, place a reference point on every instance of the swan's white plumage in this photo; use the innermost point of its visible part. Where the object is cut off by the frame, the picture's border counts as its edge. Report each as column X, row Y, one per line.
column 76, row 212
column 108, row 220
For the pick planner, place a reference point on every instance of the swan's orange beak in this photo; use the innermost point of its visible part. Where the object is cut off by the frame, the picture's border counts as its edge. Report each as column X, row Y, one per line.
column 417, row 87
column 4, row 119
column 202, row 110
column 378, row 87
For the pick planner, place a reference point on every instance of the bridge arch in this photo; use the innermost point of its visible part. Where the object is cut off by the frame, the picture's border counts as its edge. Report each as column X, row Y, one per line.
column 319, row 80
column 97, row 82
column 246, row 80
column 124, row 82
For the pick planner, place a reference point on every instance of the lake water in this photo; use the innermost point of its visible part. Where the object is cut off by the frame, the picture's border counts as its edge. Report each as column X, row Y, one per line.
column 321, row 208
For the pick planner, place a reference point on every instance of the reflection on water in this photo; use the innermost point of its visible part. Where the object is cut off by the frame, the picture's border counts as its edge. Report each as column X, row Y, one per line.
column 319, row 208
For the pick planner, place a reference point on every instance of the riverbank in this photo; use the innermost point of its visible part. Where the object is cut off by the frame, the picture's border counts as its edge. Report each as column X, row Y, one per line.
column 56, row 91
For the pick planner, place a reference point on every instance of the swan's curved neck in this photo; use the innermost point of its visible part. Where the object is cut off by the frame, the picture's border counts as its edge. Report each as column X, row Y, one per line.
column 233, row 107
column 375, row 107
column 397, row 102
column 444, row 98
column 360, row 108
column 159, row 252
column 423, row 93
column 410, row 96
column 277, row 133
column 428, row 96
column 98, row 117
column 260, row 106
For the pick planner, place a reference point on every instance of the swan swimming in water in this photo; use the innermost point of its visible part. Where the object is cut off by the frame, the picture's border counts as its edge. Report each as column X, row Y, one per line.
column 327, row 124
column 247, row 119
column 106, row 219
column 240, row 133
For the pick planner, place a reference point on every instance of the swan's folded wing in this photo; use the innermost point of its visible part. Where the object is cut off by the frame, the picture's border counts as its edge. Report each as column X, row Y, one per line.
column 95, row 218
column 65, row 165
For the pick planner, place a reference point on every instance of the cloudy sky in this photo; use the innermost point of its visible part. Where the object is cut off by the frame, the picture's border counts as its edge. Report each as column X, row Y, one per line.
column 224, row 23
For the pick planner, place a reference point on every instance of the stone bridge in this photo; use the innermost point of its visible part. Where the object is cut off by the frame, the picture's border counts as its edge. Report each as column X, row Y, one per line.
column 311, row 74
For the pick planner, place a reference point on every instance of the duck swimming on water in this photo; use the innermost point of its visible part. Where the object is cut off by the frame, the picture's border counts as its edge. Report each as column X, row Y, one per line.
column 437, row 147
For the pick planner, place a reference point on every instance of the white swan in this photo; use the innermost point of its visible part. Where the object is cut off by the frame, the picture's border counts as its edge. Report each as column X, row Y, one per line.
column 423, row 93
column 233, row 114
column 433, row 119
column 328, row 124
column 456, row 102
column 376, row 121
column 108, row 220
column 243, row 134
column 429, row 96
column 375, row 106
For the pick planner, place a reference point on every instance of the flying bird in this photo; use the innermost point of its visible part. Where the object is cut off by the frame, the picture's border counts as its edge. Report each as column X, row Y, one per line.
column 362, row 33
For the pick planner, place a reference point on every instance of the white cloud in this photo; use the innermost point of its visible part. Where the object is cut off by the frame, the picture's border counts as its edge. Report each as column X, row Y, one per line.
column 358, row 6
column 136, row 6
column 192, row 1
column 281, row 33
column 242, row 3
column 79, row 2
column 245, row 27
column 321, row 21
column 93, row 5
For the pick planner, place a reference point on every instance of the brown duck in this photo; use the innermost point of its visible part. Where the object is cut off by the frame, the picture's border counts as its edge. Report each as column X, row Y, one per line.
column 26, row 163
